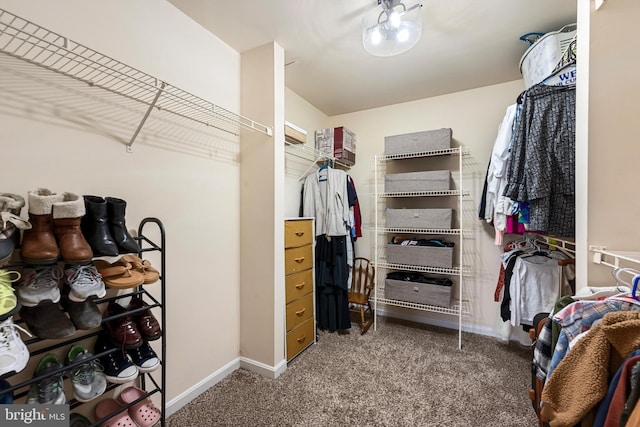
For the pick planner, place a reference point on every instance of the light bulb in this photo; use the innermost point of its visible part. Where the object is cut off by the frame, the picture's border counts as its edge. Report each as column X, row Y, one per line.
column 394, row 19
column 376, row 36
column 403, row 35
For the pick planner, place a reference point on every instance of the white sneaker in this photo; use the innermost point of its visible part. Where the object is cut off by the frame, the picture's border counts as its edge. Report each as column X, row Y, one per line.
column 84, row 281
column 14, row 354
column 38, row 284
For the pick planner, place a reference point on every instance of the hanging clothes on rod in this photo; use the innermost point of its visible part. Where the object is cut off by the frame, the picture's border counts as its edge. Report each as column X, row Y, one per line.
column 325, row 197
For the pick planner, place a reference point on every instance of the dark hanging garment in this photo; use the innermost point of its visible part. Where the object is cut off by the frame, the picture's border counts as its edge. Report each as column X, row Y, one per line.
column 541, row 168
column 332, row 305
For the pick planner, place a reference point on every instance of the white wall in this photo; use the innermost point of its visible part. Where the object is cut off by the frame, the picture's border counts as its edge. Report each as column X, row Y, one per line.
column 613, row 131
column 298, row 163
column 195, row 194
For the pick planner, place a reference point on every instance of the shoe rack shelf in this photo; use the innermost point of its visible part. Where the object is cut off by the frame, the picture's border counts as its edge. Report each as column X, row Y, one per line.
column 158, row 386
column 30, row 50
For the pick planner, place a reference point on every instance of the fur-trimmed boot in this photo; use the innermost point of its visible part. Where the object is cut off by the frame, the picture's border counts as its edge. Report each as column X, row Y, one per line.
column 95, row 227
column 10, row 224
column 116, row 209
column 67, row 215
column 39, row 244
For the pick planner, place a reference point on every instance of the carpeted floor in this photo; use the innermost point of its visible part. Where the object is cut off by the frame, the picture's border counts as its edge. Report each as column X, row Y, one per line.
column 403, row 374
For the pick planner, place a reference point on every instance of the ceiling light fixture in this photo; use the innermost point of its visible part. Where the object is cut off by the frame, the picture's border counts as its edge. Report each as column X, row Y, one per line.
column 391, row 27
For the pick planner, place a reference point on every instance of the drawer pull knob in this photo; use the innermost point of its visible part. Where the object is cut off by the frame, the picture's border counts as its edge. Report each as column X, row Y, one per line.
column 300, row 285
column 300, row 233
column 301, row 339
column 299, row 259
column 301, row 312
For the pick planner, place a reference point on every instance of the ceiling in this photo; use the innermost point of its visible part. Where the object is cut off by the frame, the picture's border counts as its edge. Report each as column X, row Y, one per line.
column 465, row 44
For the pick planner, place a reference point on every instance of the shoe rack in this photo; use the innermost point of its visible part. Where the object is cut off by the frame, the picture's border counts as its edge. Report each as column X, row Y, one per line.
column 149, row 382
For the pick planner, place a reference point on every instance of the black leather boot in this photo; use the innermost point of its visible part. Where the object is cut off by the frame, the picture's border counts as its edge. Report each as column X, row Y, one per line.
column 116, row 209
column 95, row 227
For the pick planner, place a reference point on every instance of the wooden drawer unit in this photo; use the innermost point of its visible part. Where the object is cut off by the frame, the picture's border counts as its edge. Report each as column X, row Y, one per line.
column 299, row 310
column 299, row 338
column 298, row 259
column 297, row 233
column 299, row 285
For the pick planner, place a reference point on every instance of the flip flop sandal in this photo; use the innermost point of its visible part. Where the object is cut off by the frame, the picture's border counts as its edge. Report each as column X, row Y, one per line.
column 144, row 413
column 108, row 406
column 151, row 275
column 119, row 275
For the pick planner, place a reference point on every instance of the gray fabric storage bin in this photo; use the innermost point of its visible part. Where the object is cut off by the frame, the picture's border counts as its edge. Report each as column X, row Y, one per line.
column 417, row 181
column 428, row 140
column 419, row 218
column 421, row 293
column 428, row 256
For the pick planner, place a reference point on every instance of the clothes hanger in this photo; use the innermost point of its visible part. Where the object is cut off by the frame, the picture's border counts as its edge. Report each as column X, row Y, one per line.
column 617, row 273
column 563, row 76
column 636, row 280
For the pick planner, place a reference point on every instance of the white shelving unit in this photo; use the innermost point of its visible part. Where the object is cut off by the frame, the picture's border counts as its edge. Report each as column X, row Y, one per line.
column 104, row 89
column 461, row 307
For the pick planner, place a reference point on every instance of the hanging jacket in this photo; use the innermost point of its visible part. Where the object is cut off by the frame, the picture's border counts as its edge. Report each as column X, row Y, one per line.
column 572, row 393
column 327, row 201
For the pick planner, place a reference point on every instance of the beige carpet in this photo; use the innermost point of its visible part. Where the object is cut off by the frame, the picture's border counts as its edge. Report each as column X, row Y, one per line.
column 403, row 374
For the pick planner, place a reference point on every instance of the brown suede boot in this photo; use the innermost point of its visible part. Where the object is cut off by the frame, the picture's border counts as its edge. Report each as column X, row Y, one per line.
column 39, row 243
column 67, row 215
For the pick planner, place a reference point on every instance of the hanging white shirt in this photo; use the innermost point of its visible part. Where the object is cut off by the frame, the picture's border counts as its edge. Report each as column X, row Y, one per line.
column 498, row 163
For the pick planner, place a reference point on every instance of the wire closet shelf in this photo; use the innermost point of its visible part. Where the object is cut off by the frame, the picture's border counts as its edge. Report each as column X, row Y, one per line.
column 22, row 39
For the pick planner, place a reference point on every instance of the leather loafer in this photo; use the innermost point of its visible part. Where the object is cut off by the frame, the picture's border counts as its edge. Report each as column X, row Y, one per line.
column 122, row 330
column 145, row 320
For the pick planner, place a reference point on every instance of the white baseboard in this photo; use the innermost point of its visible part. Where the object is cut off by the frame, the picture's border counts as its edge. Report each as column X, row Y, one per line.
column 188, row 395
column 263, row 369
column 414, row 316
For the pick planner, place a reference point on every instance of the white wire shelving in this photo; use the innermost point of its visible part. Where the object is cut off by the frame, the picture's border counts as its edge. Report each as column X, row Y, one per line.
column 311, row 155
column 615, row 259
column 460, row 307
column 38, row 55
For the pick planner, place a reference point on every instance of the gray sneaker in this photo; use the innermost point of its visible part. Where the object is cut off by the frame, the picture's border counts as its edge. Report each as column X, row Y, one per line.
column 39, row 283
column 87, row 378
column 84, row 281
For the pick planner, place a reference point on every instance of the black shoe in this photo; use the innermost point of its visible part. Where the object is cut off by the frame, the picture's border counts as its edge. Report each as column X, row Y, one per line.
column 84, row 315
column 117, row 367
column 95, row 227
column 77, row 420
column 116, row 210
column 144, row 358
column 47, row 320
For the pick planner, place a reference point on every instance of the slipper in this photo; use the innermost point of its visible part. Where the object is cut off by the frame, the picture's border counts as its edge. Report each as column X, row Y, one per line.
column 151, row 275
column 119, row 275
column 108, row 406
column 144, row 413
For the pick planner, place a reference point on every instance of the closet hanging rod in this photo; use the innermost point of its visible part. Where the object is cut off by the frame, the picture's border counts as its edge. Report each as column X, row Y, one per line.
column 613, row 259
column 311, row 154
column 25, row 40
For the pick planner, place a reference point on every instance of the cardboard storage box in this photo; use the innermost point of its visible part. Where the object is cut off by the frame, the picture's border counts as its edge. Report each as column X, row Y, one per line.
column 417, row 181
column 428, row 256
column 428, row 140
column 421, row 293
column 419, row 218
column 337, row 142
